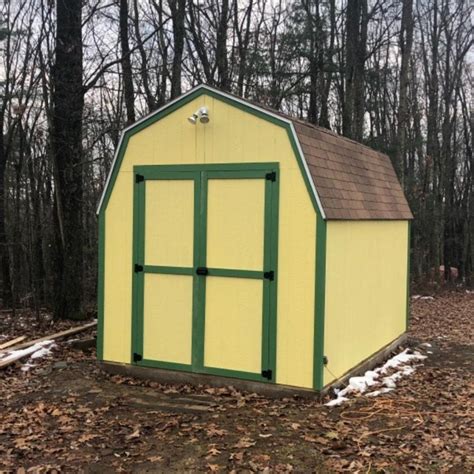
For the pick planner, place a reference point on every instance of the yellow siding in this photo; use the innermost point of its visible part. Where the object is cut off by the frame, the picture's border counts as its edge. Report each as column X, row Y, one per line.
column 233, row 336
column 366, row 278
column 118, row 272
column 167, row 325
column 235, row 218
column 169, row 223
column 231, row 136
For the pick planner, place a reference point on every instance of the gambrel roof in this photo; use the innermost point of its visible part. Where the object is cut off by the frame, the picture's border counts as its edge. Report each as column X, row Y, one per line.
column 348, row 180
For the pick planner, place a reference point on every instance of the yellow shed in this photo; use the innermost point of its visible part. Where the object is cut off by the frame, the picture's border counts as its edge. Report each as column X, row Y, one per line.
column 238, row 242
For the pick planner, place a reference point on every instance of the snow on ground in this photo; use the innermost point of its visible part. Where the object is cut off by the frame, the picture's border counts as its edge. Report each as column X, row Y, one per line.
column 373, row 377
column 36, row 351
column 419, row 297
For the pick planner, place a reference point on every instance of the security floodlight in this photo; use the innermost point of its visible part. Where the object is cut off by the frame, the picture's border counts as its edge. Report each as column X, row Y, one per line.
column 202, row 114
column 193, row 119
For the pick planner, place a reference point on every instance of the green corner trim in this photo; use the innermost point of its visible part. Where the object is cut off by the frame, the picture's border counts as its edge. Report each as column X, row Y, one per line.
column 408, row 275
column 100, row 288
column 320, row 295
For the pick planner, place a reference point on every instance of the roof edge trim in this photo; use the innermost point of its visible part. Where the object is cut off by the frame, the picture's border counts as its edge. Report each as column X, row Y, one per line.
column 204, row 87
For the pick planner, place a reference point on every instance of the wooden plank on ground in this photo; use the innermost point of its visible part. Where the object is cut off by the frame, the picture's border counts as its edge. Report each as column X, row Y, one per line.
column 27, row 348
column 52, row 337
column 12, row 342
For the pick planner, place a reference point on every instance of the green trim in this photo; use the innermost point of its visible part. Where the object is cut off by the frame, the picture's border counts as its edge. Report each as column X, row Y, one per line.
column 100, row 288
column 274, row 225
column 138, row 279
column 199, row 334
column 165, row 365
column 201, row 176
column 156, row 170
column 163, row 173
column 231, row 273
column 320, row 294
column 236, row 374
column 162, row 270
column 408, row 276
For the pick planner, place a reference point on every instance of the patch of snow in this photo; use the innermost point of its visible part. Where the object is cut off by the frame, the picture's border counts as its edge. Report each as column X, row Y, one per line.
column 371, row 377
column 39, row 347
column 376, row 393
column 426, row 344
column 419, row 297
column 400, row 359
column 42, row 352
column 336, row 401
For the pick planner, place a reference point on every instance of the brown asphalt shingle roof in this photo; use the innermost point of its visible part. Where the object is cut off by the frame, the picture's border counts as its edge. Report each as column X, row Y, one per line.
column 352, row 180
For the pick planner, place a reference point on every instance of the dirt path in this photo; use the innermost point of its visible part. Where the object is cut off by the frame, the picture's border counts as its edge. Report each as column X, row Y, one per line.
column 68, row 415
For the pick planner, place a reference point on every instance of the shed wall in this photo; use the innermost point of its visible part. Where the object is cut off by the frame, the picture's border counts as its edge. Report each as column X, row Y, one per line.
column 366, row 290
column 231, row 136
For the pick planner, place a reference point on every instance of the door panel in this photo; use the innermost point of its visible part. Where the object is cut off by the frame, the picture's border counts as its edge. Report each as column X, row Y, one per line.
column 167, row 326
column 235, row 223
column 169, row 222
column 233, row 327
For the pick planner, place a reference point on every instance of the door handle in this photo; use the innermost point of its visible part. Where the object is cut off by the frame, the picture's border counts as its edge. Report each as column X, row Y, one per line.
column 202, row 271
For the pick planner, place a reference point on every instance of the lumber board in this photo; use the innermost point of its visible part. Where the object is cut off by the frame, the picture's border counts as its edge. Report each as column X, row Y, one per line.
column 12, row 342
column 52, row 337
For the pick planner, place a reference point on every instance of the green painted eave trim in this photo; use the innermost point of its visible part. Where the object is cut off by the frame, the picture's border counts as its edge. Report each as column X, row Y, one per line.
column 320, row 295
column 287, row 124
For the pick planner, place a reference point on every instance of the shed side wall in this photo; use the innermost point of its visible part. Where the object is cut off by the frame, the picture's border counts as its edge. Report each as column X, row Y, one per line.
column 366, row 290
column 231, row 136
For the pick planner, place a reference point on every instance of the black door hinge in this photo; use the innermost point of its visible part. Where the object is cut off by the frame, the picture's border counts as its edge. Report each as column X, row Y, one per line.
column 325, row 360
column 271, row 176
column 267, row 374
column 269, row 275
column 202, row 271
column 138, row 268
column 137, row 357
column 139, row 178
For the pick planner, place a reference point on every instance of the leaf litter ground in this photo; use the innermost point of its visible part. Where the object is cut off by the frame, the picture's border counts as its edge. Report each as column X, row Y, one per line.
column 65, row 414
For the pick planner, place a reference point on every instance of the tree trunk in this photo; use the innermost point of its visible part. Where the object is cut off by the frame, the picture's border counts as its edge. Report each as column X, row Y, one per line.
column 68, row 104
column 178, row 10
column 356, row 50
column 126, row 63
column 4, row 251
column 221, row 48
column 406, row 42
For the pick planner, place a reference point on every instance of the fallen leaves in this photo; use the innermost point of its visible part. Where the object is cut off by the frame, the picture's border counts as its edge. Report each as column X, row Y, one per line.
column 81, row 417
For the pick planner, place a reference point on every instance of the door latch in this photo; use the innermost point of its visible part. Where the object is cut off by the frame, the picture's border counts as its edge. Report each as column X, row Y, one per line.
column 269, row 275
column 138, row 268
column 137, row 357
column 202, row 271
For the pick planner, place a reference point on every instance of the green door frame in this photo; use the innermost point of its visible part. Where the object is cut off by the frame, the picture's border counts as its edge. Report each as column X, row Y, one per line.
column 201, row 174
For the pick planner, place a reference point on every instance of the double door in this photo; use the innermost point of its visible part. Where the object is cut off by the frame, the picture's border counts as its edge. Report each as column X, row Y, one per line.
column 205, row 269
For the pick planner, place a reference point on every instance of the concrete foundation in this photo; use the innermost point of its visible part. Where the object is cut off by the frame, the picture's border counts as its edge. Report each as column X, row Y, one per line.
column 266, row 389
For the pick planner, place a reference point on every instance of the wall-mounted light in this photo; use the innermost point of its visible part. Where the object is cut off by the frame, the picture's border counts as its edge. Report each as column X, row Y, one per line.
column 202, row 114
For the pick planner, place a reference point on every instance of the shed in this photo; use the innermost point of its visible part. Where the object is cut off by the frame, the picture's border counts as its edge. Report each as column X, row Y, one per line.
column 237, row 242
